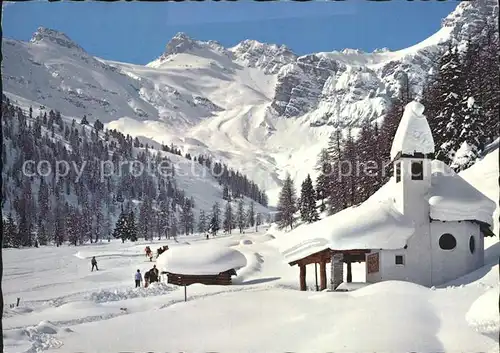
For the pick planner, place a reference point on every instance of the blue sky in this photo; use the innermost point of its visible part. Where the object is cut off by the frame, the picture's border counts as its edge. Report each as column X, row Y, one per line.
column 138, row 32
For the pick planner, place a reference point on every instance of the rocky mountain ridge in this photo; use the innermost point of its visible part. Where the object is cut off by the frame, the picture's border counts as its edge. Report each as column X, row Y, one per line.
column 248, row 103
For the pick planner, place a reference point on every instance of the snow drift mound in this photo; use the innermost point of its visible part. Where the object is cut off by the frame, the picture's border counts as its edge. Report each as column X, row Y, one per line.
column 47, row 327
column 483, row 314
column 392, row 287
column 246, row 242
column 106, row 295
column 19, row 310
column 34, row 338
column 206, row 259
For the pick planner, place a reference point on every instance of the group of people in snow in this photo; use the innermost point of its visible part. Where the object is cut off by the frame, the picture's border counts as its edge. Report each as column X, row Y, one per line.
column 161, row 250
column 149, row 277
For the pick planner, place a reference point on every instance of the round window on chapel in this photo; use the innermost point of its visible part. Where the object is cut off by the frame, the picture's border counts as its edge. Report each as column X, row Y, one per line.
column 472, row 244
column 447, row 242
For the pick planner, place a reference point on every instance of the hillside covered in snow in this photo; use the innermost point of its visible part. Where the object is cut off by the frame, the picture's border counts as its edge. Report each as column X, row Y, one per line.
column 247, row 106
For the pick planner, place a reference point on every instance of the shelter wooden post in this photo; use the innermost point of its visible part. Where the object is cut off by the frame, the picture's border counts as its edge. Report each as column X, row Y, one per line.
column 185, row 293
column 349, row 270
column 322, row 275
column 302, row 277
column 316, row 275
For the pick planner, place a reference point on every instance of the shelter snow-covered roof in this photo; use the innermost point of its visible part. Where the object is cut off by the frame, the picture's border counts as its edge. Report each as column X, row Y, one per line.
column 413, row 133
column 372, row 225
column 206, row 259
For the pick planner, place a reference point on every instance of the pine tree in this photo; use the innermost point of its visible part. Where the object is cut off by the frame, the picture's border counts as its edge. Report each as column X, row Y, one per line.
column 325, row 173
column 225, row 193
column 240, row 216
column 251, row 214
column 287, row 204
column 215, row 219
column 120, row 231
column 227, row 225
column 308, row 212
column 131, row 228
column 60, row 216
column 73, row 228
column 187, row 216
column 164, row 216
column 348, row 169
column 42, row 236
column 336, row 197
column 445, row 125
column 369, row 164
column 26, row 210
column 145, row 221
column 10, row 235
column 44, row 210
column 202, row 222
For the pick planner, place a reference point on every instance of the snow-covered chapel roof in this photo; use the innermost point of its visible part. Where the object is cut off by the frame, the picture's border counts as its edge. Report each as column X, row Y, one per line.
column 413, row 134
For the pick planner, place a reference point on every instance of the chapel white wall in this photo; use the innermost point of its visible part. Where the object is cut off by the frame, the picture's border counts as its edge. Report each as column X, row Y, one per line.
column 451, row 264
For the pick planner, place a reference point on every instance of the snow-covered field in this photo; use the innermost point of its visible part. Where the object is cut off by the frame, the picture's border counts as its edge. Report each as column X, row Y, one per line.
column 66, row 308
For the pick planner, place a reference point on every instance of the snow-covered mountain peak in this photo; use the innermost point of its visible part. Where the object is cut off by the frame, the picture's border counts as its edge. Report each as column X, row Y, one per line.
column 180, row 43
column 470, row 17
column 268, row 57
column 348, row 51
column 44, row 34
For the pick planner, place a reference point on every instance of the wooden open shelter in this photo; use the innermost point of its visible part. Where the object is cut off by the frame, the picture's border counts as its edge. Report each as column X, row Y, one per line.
column 220, row 279
column 322, row 258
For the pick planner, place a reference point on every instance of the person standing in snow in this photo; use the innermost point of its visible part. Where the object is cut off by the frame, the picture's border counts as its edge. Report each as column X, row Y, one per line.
column 146, row 279
column 138, row 279
column 94, row 264
column 153, row 274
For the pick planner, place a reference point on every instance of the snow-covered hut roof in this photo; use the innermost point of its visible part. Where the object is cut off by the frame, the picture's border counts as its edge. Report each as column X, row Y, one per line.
column 206, row 259
column 413, row 134
column 372, row 225
column 452, row 198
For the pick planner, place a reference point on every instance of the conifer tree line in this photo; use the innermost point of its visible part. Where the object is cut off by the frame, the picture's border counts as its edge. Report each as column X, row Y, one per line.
column 238, row 217
column 462, row 108
column 43, row 209
column 461, row 99
column 235, row 184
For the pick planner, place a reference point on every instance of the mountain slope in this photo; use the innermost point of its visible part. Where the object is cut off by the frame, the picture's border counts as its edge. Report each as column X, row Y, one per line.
column 259, row 108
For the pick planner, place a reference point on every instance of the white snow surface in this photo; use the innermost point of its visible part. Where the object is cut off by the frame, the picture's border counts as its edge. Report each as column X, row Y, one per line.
column 372, row 225
column 482, row 316
column 413, row 133
column 200, row 260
